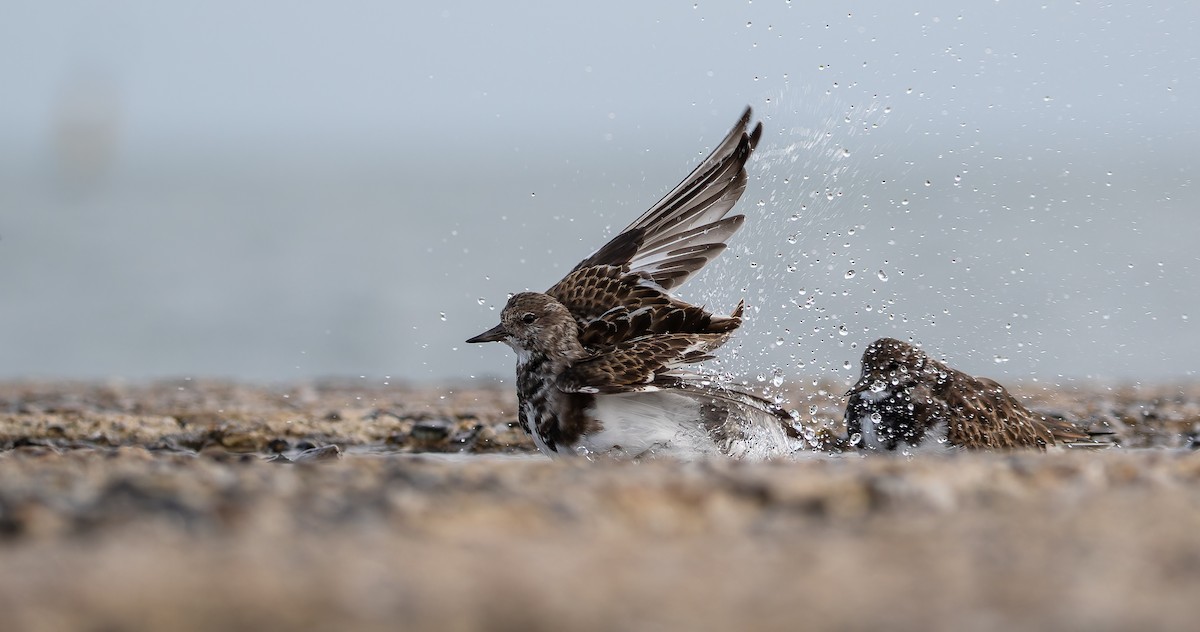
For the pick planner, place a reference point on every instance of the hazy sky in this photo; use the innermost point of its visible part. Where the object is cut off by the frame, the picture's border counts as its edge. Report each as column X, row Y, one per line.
column 298, row 72
column 275, row 190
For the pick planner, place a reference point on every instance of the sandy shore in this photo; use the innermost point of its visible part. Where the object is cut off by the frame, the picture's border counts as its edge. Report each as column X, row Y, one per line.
column 179, row 506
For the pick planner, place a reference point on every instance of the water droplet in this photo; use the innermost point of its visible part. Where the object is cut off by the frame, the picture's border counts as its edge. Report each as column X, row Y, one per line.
column 442, row 315
column 882, row 275
column 777, row 379
column 999, row 359
column 849, row 274
column 481, row 301
column 845, row 152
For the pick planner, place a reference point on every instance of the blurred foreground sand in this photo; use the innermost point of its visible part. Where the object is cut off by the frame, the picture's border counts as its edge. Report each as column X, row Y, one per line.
column 156, row 508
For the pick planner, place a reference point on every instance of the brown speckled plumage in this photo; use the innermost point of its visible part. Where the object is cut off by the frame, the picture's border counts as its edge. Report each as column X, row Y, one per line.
column 632, row 363
column 905, row 399
column 611, row 326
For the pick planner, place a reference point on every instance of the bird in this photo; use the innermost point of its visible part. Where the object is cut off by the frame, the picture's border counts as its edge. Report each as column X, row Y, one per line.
column 909, row 402
column 605, row 357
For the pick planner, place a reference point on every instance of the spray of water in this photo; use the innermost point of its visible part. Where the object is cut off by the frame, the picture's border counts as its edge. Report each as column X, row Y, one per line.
column 807, row 199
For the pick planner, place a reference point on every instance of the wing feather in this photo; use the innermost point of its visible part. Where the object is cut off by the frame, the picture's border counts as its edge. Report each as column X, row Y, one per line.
column 638, row 364
column 622, row 291
column 694, row 211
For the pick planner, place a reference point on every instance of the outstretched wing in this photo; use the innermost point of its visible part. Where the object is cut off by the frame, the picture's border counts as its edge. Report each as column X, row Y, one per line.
column 667, row 245
column 639, row 364
column 686, row 228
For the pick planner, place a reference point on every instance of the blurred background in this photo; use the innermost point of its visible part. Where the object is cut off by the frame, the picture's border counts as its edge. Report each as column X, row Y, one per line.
column 278, row 190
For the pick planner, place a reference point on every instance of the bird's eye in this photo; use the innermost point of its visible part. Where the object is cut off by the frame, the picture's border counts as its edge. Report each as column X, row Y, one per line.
column 528, row 318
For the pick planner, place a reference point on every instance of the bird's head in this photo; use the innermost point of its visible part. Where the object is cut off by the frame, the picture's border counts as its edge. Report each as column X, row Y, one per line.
column 532, row 321
column 893, row 364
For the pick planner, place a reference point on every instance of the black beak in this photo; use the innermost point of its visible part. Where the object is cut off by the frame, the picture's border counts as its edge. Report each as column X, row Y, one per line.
column 495, row 334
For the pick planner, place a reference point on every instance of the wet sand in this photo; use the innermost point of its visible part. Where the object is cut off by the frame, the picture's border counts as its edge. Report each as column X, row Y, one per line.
column 216, row 506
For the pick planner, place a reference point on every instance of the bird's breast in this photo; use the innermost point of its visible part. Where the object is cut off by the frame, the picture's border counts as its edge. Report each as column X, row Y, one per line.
column 556, row 420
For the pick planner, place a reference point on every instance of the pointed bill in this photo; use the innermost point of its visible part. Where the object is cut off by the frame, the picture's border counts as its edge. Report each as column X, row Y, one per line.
column 495, row 334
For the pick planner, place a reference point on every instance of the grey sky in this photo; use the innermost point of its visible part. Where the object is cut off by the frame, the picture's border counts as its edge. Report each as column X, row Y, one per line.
column 273, row 190
column 286, row 70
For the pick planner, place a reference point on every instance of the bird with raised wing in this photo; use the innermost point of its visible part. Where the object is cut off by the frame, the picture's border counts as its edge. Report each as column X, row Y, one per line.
column 606, row 357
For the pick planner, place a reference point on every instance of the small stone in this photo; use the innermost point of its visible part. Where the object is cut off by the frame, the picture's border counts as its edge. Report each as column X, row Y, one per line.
column 323, row 453
column 428, row 433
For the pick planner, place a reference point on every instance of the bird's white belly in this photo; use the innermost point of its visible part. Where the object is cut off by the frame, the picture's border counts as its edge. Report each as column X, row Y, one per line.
column 666, row 423
column 643, row 424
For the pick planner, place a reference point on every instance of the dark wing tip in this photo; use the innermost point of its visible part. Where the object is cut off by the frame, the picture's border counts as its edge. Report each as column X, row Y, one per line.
column 744, row 120
column 739, row 310
column 755, row 135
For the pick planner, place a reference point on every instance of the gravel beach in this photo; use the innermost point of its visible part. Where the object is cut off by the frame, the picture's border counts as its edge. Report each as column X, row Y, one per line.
column 192, row 505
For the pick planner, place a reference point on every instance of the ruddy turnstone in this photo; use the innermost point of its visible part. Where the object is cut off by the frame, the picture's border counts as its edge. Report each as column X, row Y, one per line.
column 603, row 355
column 907, row 401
